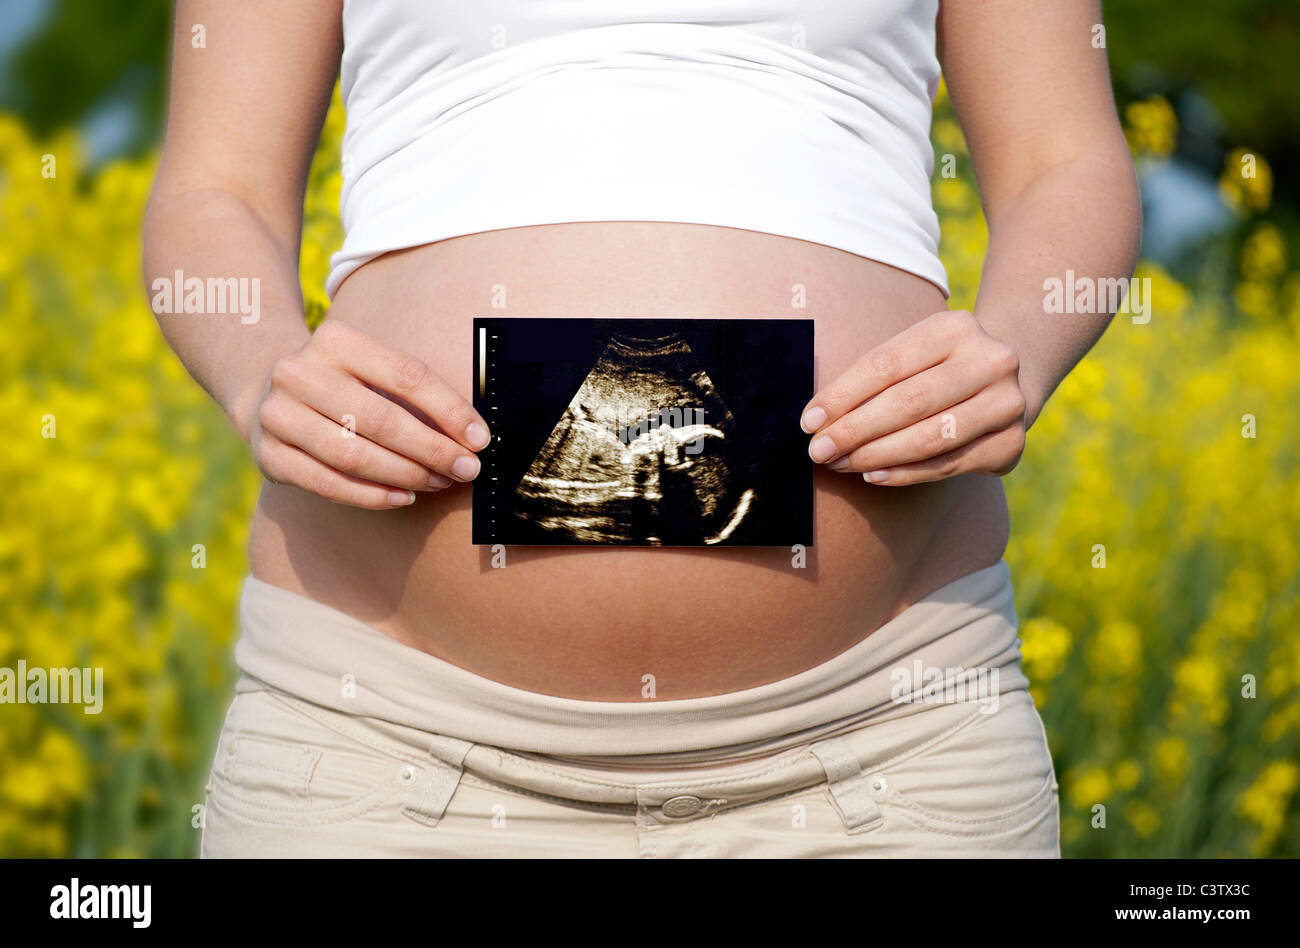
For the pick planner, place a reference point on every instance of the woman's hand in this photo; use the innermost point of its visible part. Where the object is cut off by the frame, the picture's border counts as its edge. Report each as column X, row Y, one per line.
column 323, row 425
column 941, row 398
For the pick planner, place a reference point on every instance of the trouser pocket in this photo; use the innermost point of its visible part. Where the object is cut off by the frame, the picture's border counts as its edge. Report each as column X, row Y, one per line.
column 284, row 765
column 973, row 780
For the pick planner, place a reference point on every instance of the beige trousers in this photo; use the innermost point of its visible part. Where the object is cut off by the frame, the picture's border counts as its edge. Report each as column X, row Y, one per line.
column 921, row 740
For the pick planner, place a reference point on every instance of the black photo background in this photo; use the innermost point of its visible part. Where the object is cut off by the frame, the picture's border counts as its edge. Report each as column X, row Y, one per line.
column 746, row 480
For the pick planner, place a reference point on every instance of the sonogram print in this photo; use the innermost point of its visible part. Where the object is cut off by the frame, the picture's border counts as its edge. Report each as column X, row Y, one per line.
column 641, row 454
column 646, row 448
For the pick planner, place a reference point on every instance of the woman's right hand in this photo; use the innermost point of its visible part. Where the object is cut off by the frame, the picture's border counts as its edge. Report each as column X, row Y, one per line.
column 327, row 422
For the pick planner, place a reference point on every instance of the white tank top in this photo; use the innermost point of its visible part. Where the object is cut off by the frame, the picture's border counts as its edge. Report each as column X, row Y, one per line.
column 805, row 119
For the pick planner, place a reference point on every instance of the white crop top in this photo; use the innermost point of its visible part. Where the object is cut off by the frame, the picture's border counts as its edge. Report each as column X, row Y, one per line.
column 803, row 118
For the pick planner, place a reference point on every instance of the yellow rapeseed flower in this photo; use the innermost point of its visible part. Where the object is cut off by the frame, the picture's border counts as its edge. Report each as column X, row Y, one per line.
column 1267, row 800
column 1171, row 759
column 1143, row 817
column 1151, row 126
column 1089, row 788
column 1116, row 649
column 1045, row 645
column 1263, row 253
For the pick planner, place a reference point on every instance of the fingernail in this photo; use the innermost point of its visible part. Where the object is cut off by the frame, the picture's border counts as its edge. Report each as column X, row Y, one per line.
column 401, row 498
column 439, row 480
column 465, row 468
column 876, row 477
column 812, row 419
column 822, row 448
column 477, row 436
column 841, row 465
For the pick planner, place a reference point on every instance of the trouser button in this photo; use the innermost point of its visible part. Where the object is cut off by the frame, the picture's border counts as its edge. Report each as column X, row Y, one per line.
column 679, row 807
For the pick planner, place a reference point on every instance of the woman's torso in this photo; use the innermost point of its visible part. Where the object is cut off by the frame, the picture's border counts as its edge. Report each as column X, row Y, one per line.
column 593, row 622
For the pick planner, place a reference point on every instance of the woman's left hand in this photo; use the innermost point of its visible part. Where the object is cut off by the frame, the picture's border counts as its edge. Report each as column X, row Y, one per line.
column 941, row 398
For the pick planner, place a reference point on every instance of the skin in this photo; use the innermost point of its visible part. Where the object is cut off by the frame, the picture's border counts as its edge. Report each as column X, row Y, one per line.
column 938, row 401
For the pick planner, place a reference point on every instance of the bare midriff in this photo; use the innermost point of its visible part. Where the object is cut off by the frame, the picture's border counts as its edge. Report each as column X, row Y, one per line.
column 593, row 622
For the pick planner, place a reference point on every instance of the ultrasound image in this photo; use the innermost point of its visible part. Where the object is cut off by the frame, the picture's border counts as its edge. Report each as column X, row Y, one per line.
column 641, row 453
column 646, row 450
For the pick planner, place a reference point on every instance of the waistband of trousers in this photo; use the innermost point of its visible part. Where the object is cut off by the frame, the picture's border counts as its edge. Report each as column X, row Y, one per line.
column 959, row 637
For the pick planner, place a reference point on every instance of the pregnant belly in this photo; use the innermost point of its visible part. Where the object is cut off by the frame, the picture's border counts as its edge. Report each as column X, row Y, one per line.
column 594, row 622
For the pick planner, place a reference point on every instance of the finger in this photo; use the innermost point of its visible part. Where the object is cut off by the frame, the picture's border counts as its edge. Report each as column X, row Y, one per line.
column 408, row 378
column 896, row 408
column 915, row 349
column 295, row 467
column 301, row 426
column 994, row 453
column 340, row 397
column 989, row 410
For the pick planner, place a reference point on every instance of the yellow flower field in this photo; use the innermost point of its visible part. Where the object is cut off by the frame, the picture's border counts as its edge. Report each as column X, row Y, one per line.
column 1155, row 549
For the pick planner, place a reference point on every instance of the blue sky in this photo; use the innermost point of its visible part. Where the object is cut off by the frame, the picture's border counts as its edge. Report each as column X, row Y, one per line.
column 110, row 127
column 18, row 19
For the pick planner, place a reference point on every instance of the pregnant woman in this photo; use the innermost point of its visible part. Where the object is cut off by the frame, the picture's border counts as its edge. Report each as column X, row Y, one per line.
column 407, row 693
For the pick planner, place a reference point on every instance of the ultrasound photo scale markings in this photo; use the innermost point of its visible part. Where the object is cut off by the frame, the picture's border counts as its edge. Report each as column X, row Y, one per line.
column 482, row 390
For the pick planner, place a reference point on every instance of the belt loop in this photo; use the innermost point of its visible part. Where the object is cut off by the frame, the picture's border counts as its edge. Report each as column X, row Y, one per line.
column 446, row 764
column 849, row 789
